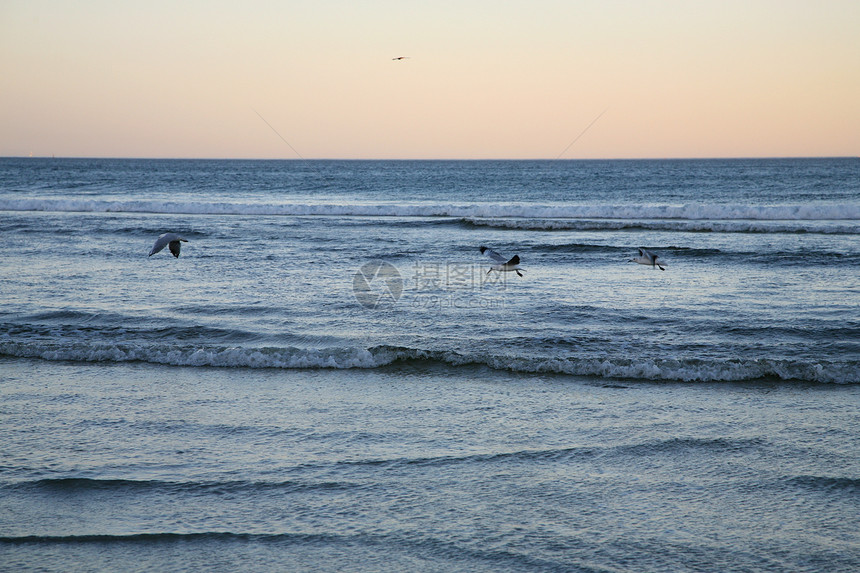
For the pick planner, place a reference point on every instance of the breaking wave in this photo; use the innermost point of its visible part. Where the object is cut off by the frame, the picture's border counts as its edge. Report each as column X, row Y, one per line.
column 686, row 226
column 648, row 369
column 470, row 212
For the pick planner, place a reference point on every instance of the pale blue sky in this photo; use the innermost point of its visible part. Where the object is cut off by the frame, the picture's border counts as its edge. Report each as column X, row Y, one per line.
column 483, row 79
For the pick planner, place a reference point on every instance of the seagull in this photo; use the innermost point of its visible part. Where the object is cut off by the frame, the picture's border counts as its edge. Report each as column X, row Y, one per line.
column 501, row 264
column 647, row 258
column 171, row 239
column 401, row 58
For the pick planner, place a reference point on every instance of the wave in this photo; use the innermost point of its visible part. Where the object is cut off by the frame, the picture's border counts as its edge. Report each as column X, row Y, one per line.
column 670, row 446
column 162, row 537
column 647, row 369
column 686, row 226
column 87, row 485
column 685, row 446
column 823, row 257
column 55, row 324
column 383, row 547
column 470, row 212
column 224, row 357
column 827, row 484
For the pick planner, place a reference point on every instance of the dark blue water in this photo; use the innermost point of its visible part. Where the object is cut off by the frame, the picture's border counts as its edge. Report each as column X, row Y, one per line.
column 329, row 379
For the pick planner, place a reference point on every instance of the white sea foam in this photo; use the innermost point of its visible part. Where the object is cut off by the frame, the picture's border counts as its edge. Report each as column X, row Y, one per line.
column 231, row 357
column 837, row 227
column 691, row 212
column 364, row 358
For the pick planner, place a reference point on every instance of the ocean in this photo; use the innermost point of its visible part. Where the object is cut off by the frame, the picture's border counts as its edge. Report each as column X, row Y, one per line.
column 330, row 377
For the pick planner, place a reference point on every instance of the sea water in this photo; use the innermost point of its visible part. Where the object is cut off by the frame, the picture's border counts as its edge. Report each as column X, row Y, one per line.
column 330, row 377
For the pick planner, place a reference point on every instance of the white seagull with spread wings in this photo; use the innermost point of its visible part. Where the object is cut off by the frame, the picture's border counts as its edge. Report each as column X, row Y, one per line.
column 501, row 264
column 168, row 239
column 648, row 258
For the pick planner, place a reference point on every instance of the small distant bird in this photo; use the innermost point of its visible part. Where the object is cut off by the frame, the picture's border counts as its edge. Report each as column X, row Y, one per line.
column 648, row 258
column 502, row 265
column 401, row 58
column 168, row 239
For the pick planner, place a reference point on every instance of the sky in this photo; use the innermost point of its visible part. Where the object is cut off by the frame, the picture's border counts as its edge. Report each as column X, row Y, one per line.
column 494, row 79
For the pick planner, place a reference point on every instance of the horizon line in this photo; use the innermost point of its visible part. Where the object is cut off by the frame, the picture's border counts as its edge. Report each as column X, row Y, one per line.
column 543, row 159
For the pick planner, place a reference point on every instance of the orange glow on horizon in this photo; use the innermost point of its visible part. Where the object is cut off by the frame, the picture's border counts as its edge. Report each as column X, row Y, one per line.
column 479, row 79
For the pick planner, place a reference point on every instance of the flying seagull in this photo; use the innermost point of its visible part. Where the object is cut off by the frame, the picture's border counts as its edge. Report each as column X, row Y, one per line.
column 648, row 258
column 501, row 264
column 401, row 58
column 171, row 239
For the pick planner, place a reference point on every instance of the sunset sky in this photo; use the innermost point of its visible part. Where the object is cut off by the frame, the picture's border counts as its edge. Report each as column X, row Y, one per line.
column 483, row 79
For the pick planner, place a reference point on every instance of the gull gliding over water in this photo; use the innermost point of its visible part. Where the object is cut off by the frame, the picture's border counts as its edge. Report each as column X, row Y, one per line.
column 171, row 239
column 648, row 258
column 501, row 264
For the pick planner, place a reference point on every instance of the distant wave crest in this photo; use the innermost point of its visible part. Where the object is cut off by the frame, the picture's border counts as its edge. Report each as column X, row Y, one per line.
column 473, row 212
column 685, row 370
column 688, row 226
